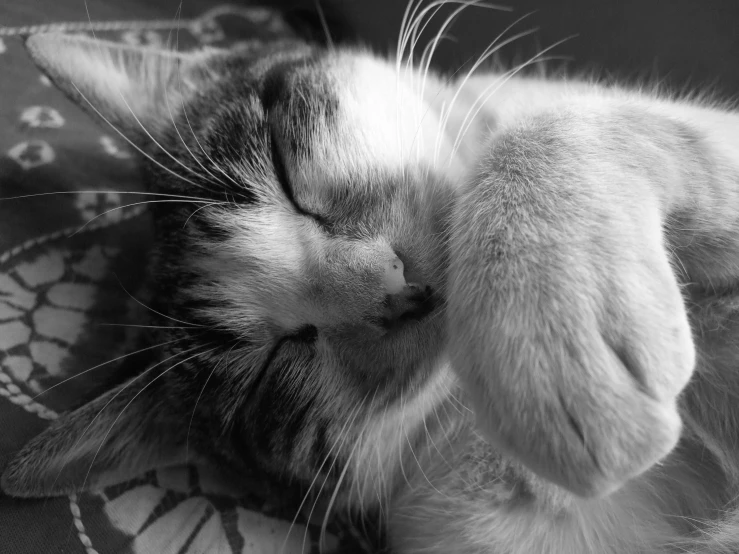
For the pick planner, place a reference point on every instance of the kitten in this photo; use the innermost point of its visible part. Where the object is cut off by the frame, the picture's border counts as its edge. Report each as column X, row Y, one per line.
column 498, row 309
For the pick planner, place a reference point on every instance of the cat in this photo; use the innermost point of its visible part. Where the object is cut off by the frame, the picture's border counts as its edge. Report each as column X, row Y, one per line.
column 499, row 310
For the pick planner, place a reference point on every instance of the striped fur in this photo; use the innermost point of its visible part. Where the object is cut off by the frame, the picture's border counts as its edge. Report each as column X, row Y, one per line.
column 512, row 337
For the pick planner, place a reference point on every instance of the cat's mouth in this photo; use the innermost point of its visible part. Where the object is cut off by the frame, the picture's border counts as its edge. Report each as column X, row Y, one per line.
column 413, row 303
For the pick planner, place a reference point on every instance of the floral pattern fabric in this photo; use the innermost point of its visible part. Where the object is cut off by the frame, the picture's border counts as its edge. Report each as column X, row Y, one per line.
column 72, row 256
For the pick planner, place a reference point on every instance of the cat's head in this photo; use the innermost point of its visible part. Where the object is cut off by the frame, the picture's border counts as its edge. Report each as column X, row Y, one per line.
column 301, row 224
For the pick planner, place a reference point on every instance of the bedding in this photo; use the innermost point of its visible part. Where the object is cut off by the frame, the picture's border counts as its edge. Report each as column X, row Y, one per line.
column 72, row 258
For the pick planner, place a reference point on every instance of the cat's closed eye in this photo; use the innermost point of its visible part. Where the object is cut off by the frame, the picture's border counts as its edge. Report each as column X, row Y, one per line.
column 284, row 179
column 450, row 349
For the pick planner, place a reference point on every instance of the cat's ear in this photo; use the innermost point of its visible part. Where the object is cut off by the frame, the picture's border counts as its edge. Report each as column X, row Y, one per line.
column 113, row 438
column 137, row 90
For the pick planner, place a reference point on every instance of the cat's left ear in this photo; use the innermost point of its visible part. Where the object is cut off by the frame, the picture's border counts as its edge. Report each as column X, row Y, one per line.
column 116, row 437
column 137, row 90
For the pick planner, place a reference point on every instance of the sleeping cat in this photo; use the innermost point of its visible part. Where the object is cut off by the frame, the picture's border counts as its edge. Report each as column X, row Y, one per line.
column 497, row 309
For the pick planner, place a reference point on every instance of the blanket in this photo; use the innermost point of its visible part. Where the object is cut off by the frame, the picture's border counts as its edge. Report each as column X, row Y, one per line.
column 72, row 255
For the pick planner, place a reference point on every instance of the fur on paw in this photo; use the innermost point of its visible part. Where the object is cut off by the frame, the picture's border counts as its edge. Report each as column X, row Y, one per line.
column 566, row 321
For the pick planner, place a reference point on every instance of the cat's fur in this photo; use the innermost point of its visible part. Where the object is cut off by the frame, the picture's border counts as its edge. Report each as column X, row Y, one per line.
column 489, row 340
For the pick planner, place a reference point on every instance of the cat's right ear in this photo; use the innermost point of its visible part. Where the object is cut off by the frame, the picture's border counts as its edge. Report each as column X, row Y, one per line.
column 137, row 90
column 114, row 438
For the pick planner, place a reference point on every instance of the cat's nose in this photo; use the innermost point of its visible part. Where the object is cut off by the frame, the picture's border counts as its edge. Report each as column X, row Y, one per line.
column 399, row 280
column 394, row 277
column 411, row 303
column 406, row 298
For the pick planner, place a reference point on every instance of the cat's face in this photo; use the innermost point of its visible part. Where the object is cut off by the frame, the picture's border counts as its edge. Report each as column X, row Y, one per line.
column 303, row 249
column 322, row 262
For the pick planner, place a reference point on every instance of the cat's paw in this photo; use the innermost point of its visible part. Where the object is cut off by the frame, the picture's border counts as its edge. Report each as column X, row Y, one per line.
column 567, row 325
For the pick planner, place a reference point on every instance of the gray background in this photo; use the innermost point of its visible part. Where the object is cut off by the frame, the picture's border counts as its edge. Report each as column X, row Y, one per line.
column 693, row 43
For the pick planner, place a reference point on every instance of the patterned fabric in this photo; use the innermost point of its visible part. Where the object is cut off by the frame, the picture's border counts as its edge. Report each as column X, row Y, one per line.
column 70, row 268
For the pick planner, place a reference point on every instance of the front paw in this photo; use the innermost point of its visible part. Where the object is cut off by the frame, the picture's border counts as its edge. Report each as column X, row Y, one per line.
column 567, row 327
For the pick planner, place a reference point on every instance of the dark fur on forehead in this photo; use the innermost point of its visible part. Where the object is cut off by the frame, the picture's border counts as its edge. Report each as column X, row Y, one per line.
column 223, row 125
column 301, row 97
column 253, row 391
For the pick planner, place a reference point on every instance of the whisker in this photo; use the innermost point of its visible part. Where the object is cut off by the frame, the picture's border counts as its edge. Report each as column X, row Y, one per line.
column 416, row 19
column 207, row 203
column 403, row 32
column 104, row 191
column 123, row 388
column 192, row 417
column 322, row 535
column 428, row 54
column 425, row 64
column 84, row 482
column 471, row 115
column 202, row 208
column 138, row 326
column 104, row 364
column 483, row 99
column 441, row 425
column 418, row 463
column 190, row 325
column 355, row 480
column 315, row 478
column 381, row 486
column 415, row 36
column 169, row 108
column 400, row 442
column 189, row 124
column 411, row 35
column 384, row 481
column 431, row 440
column 324, row 524
column 119, row 132
column 158, row 145
column 324, row 24
column 490, row 50
column 399, row 52
column 445, row 431
column 355, row 413
column 141, row 125
column 451, row 395
column 442, row 117
column 438, row 4
column 449, row 20
column 129, row 141
column 197, row 141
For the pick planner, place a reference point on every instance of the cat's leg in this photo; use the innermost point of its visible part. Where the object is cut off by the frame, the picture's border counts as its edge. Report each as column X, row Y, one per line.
column 462, row 496
column 567, row 320
column 568, row 327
